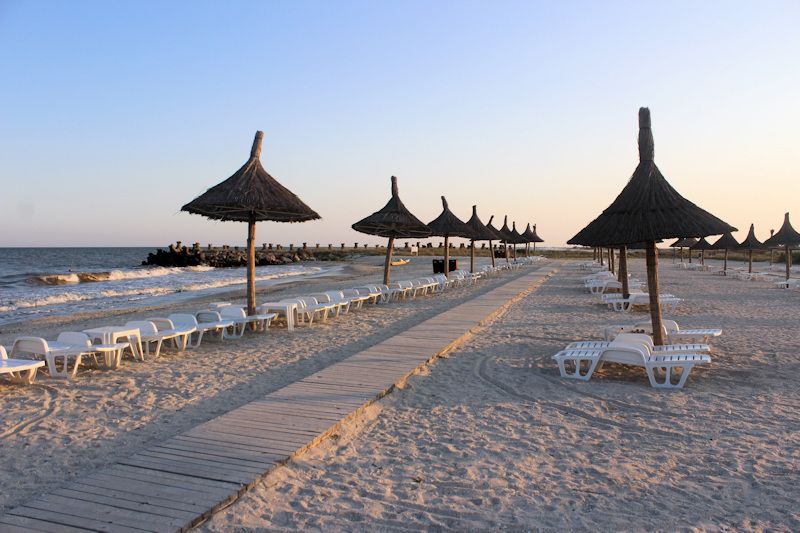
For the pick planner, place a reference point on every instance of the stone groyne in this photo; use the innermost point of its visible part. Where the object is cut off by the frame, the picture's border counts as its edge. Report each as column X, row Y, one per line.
column 177, row 255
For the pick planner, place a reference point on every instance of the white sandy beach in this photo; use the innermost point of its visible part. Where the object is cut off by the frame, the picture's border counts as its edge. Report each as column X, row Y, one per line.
column 491, row 438
column 59, row 430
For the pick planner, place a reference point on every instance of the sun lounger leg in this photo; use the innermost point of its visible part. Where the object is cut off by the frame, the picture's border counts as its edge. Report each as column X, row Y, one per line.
column 663, row 376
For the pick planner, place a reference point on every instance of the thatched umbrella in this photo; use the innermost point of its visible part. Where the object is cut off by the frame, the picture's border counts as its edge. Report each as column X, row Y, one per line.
column 701, row 245
column 480, row 233
column 684, row 243
column 448, row 225
column 726, row 242
column 505, row 232
column 788, row 238
column 251, row 195
column 529, row 237
column 392, row 221
column 517, row 238
column 497, row 235
column 648, row 209
column 536, row 238
column 751, row 243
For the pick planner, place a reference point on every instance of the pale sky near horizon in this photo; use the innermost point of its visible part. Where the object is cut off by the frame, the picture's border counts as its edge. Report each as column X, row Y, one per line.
column 115, row 114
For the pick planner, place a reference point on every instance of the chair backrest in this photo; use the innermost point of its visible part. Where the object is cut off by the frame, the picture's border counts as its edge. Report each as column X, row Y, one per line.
column 29, row 346
column 628, row 353
column 335, row 295
column 74, row 338
column 3, row 354
column 183, row 319
column 145, row 326
column 350, row 292
column 635, row 338
column 208, row 316
column 320, row 297
column 162, row 324
column 670, row 325
column 232, row 312
column 308, row 300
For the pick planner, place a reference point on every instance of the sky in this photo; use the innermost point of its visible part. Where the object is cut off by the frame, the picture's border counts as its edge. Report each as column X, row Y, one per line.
column 115, row 114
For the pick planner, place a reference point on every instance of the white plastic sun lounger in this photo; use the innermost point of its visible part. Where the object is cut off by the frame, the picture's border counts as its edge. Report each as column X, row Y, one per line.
column 26, row 347
column 19, row 371
column 150, row 335
column 372, row 292
column 241, row 319
column 668, row 371
column 308, row 309
column 75, row 340
column 356, row 300
column 183, row 333
column 341, row 305
column 212, row 327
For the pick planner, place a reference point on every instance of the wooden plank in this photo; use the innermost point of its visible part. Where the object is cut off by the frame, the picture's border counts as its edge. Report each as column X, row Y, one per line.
column 211, row 487
column 165, row 493
column 99, row 487
column 194, row 459
column 223, row 428
column 260, row 442
column 69, row 520
column 194, row 471
column 13, row 524
column 126, row 503
column 116, row 516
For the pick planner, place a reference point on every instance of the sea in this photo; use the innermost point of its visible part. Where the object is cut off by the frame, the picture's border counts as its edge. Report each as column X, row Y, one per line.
column 36, row 282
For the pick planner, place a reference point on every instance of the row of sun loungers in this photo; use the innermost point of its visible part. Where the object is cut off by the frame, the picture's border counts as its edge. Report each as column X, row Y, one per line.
column 185, row 331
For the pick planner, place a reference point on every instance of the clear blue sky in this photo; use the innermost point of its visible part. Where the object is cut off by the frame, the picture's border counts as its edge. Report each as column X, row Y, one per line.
column 114, row 114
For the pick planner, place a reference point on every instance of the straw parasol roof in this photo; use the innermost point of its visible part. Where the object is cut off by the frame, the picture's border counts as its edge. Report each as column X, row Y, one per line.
column 702, row 244
column 449, row 225
column 251, row 195
column 684, row 243
column 648, row 209
column 751, row 242
column 536, row 237
column 528, row 234
column 726, row 242
column 480, row 232
column 786, row 236
column 393, row 220
column 505, row 231
column 499, row 236
column 518, row 238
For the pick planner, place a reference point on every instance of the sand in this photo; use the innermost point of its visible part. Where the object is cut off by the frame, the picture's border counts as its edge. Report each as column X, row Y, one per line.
column 491, row 438
column 58, row 430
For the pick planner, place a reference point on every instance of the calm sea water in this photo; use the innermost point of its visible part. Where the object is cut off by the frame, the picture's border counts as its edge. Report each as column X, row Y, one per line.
column 47, row 281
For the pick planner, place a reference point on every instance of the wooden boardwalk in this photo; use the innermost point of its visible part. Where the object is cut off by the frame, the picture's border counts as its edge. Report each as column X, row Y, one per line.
column 177, row 483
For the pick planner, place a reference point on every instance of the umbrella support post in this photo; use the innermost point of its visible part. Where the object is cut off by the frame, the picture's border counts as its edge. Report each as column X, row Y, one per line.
column 388, row 264
column 472, row 257
column 251, row 266
column 788, row 262
column 623, row 271
column 600, row 253
column 725, row 264
column 652, row 288
column 491, row 252
column 447, row 256
column 750, row 262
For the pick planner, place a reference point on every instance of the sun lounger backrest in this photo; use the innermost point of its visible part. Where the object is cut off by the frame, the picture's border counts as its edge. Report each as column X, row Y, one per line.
column 183, row 319
column 208, row 316
column 626, row 353
column 145, row 326
column 635, row 338
column 3, row 354
column 74, row 338
column 308, row 300
column 29, row 346
column 162, row 324
column 232, row 312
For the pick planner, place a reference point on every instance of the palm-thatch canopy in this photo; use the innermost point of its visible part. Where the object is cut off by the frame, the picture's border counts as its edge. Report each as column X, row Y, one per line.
column 702, row 244
column 449, row 225
column 649, row 209
column 516, row 235
column 393, row 220
column 786, row 236
column 684, row 243
column 479, row 230
column 751, row 242
column 499, row 236
column 536, row 237
column 528, row 234
column 726, row 242
column 251, row 194
column 505, row 231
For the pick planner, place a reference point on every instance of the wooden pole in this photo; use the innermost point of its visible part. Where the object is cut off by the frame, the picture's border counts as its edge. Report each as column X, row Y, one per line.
column 507, row 253
column 681, row 254
column 613, row 260
column 447, row 256
column 388, row 264
column 491, row 252
column 750, row 261
column 725, row 264
column 600, row 253
column 788, row 262
column 251, row 266
column 690, row 254
column 651, row 257
column 472, row 256
column 623, row 271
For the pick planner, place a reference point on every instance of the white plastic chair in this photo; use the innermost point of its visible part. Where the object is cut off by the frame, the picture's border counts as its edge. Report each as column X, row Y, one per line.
column 55, row 358
column 241, row 320
column 186, row 321
column 150, row 335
